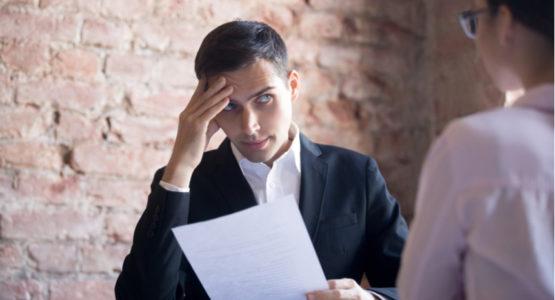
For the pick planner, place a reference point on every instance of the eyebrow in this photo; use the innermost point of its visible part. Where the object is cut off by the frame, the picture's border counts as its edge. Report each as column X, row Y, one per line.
column 262, row 91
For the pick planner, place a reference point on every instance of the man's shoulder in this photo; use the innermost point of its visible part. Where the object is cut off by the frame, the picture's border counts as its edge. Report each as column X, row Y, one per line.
column 344, row 156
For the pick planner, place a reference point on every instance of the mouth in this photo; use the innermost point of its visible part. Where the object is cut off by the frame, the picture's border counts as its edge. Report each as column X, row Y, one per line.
column 256, row 145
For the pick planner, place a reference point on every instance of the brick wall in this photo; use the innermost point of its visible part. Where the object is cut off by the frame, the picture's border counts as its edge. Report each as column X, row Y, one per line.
column 90, row 91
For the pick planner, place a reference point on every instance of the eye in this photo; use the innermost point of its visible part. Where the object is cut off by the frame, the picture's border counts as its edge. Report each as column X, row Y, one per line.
column 230, row 106
column 264, row 98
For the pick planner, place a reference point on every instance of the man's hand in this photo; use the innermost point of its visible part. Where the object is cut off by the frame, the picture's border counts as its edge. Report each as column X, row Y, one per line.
column 341, row 289
column 196, row 127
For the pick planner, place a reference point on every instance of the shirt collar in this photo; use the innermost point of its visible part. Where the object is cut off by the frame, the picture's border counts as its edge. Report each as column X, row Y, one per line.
column 290, row 159
column 540, row 98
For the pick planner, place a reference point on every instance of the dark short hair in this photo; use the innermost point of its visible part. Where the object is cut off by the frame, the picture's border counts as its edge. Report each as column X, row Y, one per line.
column 535, row 14
column 237, row 44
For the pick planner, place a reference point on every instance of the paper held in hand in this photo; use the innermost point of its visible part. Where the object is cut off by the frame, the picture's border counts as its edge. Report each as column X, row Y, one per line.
column 263, row 252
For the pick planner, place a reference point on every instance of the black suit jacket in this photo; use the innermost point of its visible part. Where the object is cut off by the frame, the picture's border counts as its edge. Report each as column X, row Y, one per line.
column 353, row 221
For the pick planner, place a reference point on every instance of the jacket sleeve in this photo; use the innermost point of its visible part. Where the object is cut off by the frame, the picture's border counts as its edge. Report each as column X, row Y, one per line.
column 152, row 268
column 386, row 234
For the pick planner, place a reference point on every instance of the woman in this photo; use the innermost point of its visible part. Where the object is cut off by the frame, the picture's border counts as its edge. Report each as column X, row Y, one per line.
column 483, row 226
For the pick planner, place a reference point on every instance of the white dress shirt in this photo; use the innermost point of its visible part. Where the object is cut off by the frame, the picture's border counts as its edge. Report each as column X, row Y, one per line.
column 483, row 226
column 282, row 179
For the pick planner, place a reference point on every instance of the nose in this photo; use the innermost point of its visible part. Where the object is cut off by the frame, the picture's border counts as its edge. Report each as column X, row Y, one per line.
column 249, row 122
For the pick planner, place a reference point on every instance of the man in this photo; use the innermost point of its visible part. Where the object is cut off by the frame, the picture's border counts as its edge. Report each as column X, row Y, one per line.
column 245, row 90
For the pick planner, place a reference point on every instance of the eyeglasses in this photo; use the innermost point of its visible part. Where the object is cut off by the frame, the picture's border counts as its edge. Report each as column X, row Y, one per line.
column 469, row 21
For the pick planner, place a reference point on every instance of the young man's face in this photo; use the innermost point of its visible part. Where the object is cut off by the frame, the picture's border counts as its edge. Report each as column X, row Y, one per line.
column 258, row 118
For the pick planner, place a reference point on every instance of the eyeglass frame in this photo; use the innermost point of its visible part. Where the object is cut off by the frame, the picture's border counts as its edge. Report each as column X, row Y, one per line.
column 467, row 17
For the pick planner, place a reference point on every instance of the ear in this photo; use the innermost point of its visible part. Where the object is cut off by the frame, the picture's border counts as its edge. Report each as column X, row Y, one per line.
column 293, row 82
column 505, row 26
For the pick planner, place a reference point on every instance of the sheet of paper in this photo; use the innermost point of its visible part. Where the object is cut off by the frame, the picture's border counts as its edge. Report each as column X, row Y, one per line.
column 263, row 252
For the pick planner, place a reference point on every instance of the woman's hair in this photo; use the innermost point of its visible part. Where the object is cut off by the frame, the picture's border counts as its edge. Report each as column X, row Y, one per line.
column 535, row 14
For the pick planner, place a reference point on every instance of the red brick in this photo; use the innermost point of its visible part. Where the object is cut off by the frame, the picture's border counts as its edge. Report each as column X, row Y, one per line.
column 11, row 256
column 364, row 30
column 317, row 85
column 103, row 33
column 28, row 57
column 74, row 127
column 219, row 12
column 408, row 18
column 6, row 186
column 129, row 67
column 302, row 52
column 163, row 104
column 60, row 258
column 61, row 223
column 98, row 289
column 6, row 90
column 21, row 289
column 338, row 137
column 118, row 160
column 103, row 258
column 24, row 26
column 344, row 112
column 319, row 114
column 22, row 122
column 128, row 9
column 175, row 35
column 66, row 5
column 26, row 154
column 383, row 61
column 18, row 3
column 360, row 87
column 48, row 188
column 72, row 6
column 152, row 34
column 277, row 16
column 139, row 131
column 76, row 63
column 120, row 226
column 342, row 59
column 302, row 113
column 119, row 193
column 175, row 72
column 166, row 8
column 70, row 95
column 92, row 6
column 351, row 6
column 321, row 25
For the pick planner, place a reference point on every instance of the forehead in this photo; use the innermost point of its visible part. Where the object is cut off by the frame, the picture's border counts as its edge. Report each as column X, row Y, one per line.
column 257, row 75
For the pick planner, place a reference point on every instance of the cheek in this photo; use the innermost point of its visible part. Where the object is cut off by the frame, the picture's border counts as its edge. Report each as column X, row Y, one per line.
column 226, row 124
column 278, row 117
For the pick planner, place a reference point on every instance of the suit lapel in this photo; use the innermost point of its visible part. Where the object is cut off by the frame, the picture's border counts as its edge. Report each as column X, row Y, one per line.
column 313, row 184
column 229, row 180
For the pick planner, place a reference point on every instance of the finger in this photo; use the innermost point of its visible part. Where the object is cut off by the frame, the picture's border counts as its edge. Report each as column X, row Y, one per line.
column 208, row 103
column 213, row 111
column 326, row 295
column 200, row 86
column 215, row 87
column 201, row 94
column 345, row 283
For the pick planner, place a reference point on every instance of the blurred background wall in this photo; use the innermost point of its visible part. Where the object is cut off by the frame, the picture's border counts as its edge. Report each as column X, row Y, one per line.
column 90, row 91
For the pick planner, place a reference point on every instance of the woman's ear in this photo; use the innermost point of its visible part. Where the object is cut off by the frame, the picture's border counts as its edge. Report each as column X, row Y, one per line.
column 505, row 23
column 293, row 82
